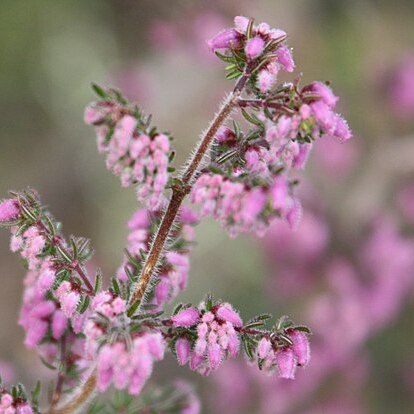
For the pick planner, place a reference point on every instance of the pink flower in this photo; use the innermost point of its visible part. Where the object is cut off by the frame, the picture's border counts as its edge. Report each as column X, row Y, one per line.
column 266, row 80
column 227, row 313
column 263, row 348
column 68, row 298
column 284, row 57
column 241, row 23
column 186, row 317
column 286, row 363
column 59, row 324
column 226, row 39
column 325, row 92
column 129, row 369
column 9, row 210
column 254, row 47
column 300, row 346
column 183, row 350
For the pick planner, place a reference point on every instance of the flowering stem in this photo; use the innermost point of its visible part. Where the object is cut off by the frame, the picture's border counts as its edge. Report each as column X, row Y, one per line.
column 182, row 188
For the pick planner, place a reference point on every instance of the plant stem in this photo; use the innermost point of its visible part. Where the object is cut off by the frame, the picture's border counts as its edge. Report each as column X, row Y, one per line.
column 75, row 266
column 61, row 377
column 75, row 403
column 180, row 190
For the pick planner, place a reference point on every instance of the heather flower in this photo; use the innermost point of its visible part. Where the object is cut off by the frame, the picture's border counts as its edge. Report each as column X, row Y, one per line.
column 137, row 154
column 262, row 44
column 68, row 298
column 186, row 317
column 9, row 210
column 254, row 47
column 226, row 39
column 283, row 351
column 216, row 336
column 129, row 368
column 182, row 350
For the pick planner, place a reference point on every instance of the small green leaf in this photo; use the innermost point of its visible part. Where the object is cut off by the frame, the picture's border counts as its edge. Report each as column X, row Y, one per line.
column 115, row 286
column 133, row 308
column 98, row 281
column 100, row 91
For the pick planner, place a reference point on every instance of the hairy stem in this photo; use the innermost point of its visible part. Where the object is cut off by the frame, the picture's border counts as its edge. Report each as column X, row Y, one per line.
column 180, row 190
column 61, row 377
column 75, row 403
column 75, row 266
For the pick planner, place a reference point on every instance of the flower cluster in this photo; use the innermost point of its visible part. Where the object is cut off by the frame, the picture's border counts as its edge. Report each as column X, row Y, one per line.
column 247, row 183
column 285, row 352
column 16, row 400
column 216, row 336
column 134, row 150
column 129, row 365
column 258, row 46
column 215, row 332
column 53, row 295
column 174, row 265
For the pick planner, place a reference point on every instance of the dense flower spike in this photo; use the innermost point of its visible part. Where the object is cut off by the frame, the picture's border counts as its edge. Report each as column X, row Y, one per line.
column 284, row 352
column 134, row 150
column 209, row 337
column 247, row 183
column 129, row 366
column 254, row 46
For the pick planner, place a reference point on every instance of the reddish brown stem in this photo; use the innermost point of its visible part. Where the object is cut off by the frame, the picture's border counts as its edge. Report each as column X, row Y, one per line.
column 182, row 189
column 55, row 241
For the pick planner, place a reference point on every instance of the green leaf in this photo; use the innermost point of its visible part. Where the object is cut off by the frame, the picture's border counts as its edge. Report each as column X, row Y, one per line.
column 36, row 393
column 303, row 329
column 115, row 286
column 98, row 281
column 253, row 119
column 133, row 308
column 99, row 91
column 46, row 364
column 83, row 306
column 224, row 58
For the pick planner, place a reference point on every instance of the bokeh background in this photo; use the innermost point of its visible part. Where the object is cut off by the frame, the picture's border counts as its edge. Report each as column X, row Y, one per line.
column 348, row 271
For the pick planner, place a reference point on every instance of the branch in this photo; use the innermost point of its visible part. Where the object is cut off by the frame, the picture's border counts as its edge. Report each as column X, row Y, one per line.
column 181, row 190
column 75, row 403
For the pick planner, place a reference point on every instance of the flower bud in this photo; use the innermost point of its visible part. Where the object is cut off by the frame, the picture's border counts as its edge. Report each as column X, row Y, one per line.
column 182, row 349
column 286, row 363
column 9, row 210
column 228, row 314
column 226, row 39
column 254, row 47
column 186, row 318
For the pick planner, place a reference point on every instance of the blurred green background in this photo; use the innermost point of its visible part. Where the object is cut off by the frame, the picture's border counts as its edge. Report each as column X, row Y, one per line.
column 52, row 50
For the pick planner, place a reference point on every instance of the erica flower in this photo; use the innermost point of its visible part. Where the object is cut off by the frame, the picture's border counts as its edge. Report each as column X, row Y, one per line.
column 284, row 353
column 68, row 298
column 216, row 337
column 135, row 152
column 9, row 210
column 129, row 368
